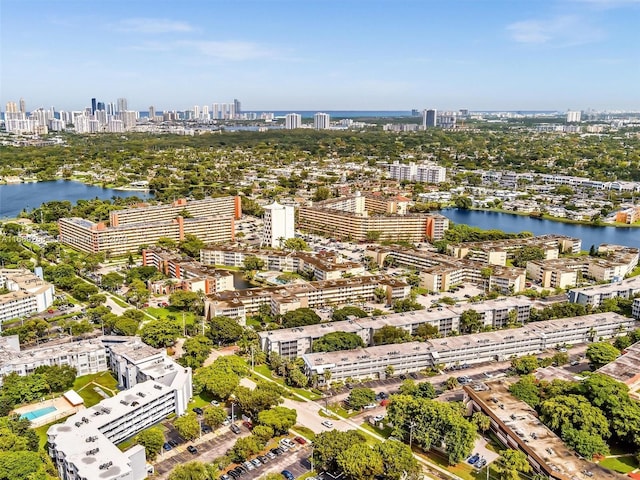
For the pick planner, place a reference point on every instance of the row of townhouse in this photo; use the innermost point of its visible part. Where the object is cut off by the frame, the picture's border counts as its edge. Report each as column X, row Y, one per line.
column 439, row 272
column 320, row 266
column 596, row 294
column 282, row 299
column 497, row 252
column 27, row 293
column 84, row 446
column 500, row 345
column 211, row 220
column 295, row 342
column 189, row 275
column 565, row 272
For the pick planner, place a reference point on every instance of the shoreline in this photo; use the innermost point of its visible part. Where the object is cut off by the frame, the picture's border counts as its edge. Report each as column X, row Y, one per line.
column 552, row 219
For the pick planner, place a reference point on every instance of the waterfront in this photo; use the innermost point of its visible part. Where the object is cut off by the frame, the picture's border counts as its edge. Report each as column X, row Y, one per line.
column 590, row 235
column 26, row 196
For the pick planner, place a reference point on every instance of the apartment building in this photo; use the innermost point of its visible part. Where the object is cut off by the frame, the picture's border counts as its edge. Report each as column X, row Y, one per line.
column 123, row 235
column 625, row 369
column 359, row 218
column 28, row 293
column 635, row 312
column 84, row 446
column 319, row 266
column 500, row 345
column 297, row 341
column 208, row 207
column 87, row 357
column 497, row 252
column 345, row 291
column 427, row 173
column 596, row 294
column 189, row 275
column 439, row 272
column 628, row 215
column 514, row 423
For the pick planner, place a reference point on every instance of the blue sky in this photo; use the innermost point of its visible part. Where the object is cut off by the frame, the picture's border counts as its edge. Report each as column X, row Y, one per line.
column 323, row 54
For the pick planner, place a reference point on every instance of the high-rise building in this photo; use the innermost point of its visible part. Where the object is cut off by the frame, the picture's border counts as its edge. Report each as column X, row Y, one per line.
column 12, row 107
column 23, row 106
column 100, row 106
column 152, row 112
column 279, row 224
column 122, row 105
column 93, row 106
column 447, row 120
column 293, row 120
column 573, row 116
column 321, row 121
column 205, row 112
column 429, row 118
column 215, row 111
column 237, row 106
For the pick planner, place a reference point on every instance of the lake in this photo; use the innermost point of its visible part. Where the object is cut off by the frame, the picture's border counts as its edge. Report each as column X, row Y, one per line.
column 20, row 196
column 590, row 235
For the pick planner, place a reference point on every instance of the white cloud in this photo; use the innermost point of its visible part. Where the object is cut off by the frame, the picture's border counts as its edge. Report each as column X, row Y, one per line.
column 229, row 50
column 561, row 31
column 153, row 25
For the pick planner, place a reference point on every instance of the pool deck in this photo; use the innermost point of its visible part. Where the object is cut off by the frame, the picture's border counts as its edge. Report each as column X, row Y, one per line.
column 61, row 404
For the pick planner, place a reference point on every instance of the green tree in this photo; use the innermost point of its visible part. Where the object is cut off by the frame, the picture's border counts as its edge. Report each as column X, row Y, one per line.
column 125, row 326
column 464, row 202
column 280, row 419
column 184, row 300
column 59, row 378
column 427, row 331
column 244, row 448
column 389, row 334
column 321, row 193
column 564, row 412
column 214, row 416
column 342, row 314
column 160, row 333
column 511, row 463
column 524, row 365
column 187, row 426
column 191, row 245
column 470, row 321
column 189, row 471
column 195, row 351
column 152, row 440
column 360, row 462
column 300, row 317
column 224, row 330
column 398, row 461
column 599, row 354
column 82, row 290
column 252, row 263
column 327, row 446
column 335, row 341
column 481, row 421
column 527, row 390
column 296, row 244
column 263, row 397
column 585, row 443
column 406, row 305
column 359, row 397
column 263, row 433
column 218, row 383
column 527, row 254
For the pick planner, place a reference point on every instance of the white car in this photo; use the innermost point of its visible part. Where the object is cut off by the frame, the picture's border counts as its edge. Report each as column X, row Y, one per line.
column 327, row 424
column 378, row 418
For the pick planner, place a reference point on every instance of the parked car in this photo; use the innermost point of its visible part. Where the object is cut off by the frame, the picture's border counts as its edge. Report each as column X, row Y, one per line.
column 206, row 428
column 327, row 423
column 173, row 443
column 234, row 428
column 215, row 403
column 300, row 440
column 288, row 475
column 271, row 455
column 167, row 446
column 198, row 410
column 248, row 425
column 224, row 476
column 263, row 458
column 378, row 418
column 193, row 450
column 256, row 462
column 287, row 442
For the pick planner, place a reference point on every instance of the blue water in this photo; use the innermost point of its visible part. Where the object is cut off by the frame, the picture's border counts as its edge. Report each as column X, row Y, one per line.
column 27, row 196
column 41, row 412
column 518, row 223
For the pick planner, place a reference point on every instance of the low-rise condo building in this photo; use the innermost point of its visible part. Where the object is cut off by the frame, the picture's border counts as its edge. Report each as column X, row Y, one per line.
column 28, row 293
column 594, row 295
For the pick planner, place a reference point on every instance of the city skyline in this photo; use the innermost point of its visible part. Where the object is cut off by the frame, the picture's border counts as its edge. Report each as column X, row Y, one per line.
column 284, row 55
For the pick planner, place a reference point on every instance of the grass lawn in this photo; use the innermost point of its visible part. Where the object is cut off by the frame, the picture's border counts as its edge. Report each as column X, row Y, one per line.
column 164, row 312
column 84, row 386
column 462, row 470
column 41, row 432
column 624, row 464
column 121, row 303
column 202, row 400
column 383, row 432
column 304, row 431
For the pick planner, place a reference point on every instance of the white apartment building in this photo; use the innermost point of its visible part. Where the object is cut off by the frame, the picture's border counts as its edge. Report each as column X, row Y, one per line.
column 427, row 173
column 500, row 345
column 594, row 295
column 84, row 446
column 573, row 116
column 321, row 121
column 635, row 312
column 292, row 121
column 279, row 224
column 28, row 294
column 87, row 357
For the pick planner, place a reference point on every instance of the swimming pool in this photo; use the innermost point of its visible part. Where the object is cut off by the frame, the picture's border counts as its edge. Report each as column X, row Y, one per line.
column 41, row 412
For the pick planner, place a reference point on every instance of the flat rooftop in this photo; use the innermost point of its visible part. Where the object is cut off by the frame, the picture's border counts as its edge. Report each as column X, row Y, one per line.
column 533, row 436
column 625, row 368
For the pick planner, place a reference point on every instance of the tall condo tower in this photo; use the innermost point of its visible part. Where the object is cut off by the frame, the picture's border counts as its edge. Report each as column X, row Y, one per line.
column 279, row 224
column 321, row 121
column 292, row 120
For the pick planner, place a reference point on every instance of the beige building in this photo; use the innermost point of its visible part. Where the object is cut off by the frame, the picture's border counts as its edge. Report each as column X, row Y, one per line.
column 360, row 218
column 28, row 294
column 345, row 291
column 124, row 235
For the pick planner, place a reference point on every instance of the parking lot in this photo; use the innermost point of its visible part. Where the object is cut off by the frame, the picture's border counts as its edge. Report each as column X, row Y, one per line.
column 296, row 461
